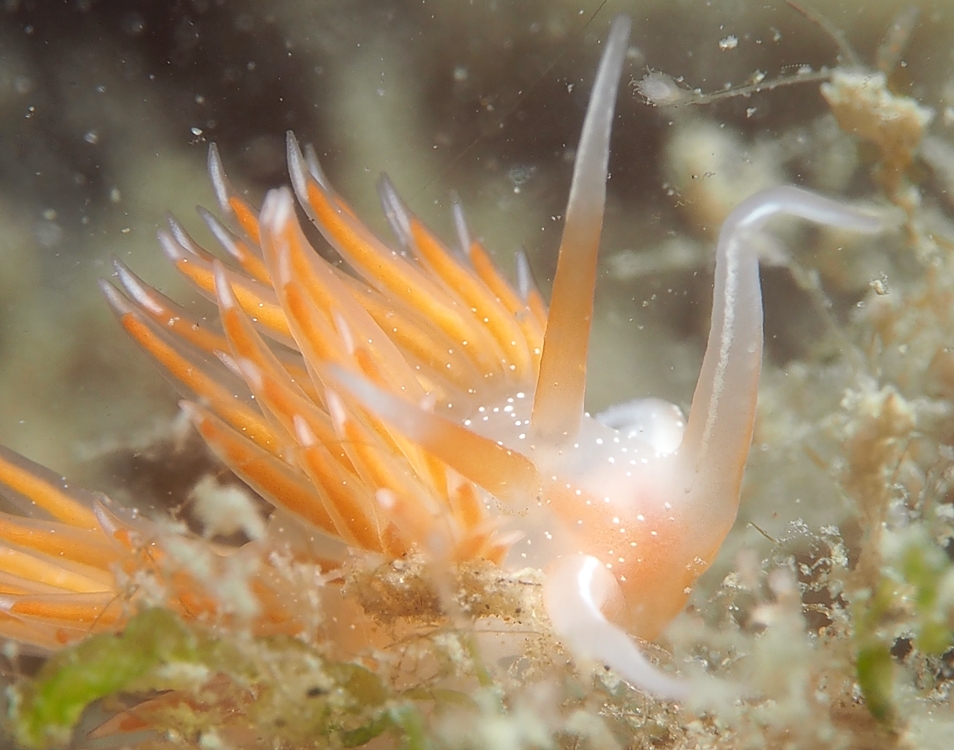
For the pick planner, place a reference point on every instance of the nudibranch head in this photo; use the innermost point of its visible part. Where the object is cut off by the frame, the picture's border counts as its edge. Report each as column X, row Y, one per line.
column 419, row 401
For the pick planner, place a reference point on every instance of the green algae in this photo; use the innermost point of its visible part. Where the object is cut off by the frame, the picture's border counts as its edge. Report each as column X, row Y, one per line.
column 924, row 568
column 51, row 704
column 875, row 669
column 909, row 592
column 276, row 682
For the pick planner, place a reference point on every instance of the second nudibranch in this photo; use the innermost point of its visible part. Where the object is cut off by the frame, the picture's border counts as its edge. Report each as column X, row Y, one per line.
column 626, row 517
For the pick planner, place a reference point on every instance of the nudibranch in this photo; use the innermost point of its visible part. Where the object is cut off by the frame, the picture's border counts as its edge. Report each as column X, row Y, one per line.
column 413, row 399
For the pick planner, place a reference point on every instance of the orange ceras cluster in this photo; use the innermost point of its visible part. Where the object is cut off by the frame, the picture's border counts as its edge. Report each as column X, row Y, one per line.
column 413, row 399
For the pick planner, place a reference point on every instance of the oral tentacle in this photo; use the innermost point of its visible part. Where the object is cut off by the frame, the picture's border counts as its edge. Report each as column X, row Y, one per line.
column 719, row 430
column 558, row 401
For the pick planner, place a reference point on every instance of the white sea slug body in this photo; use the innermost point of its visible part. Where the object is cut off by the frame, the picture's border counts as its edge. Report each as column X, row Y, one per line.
column 635, row 515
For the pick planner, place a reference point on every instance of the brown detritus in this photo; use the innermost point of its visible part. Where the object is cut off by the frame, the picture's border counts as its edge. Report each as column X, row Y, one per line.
column 940, row 373
column 404, row 589
column 882, row 424
column 865, row 107
column 394, row 590
column 866, row 733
